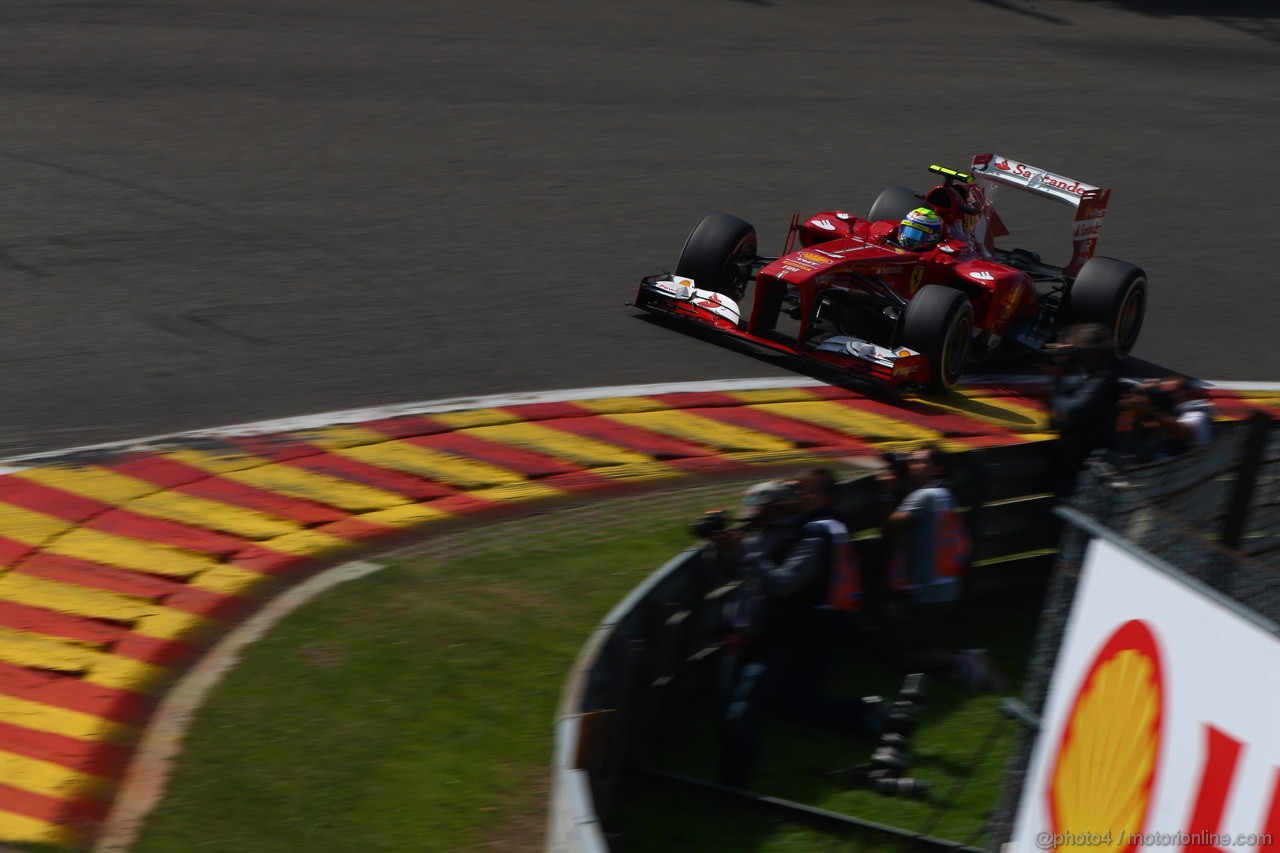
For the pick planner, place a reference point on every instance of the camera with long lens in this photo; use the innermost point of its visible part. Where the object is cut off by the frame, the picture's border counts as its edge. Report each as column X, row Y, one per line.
column 712, row 522
column 902, row 786
column 1061, row 354
column 914, row 688
column 1159, row 398
column 900, row 717
column 898, row 463
column 885, row 771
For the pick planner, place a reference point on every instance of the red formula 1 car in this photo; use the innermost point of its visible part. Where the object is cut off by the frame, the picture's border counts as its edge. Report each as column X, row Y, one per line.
column 852, row 297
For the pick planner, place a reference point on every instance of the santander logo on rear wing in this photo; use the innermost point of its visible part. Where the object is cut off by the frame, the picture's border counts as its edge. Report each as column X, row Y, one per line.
column 1090, row 202
column 1005, row 170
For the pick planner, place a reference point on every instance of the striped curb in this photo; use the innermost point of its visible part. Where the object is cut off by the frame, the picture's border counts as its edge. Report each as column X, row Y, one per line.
column 119, row 566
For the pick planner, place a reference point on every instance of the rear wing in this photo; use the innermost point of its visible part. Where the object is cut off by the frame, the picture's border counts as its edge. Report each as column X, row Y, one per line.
column 1090, row 202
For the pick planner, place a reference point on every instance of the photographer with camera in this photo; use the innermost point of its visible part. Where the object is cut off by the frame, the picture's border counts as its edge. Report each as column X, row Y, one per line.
column 929, row 550
column 1166, row 417
column 1084, row 395
column 784, row 621
column 892, row 483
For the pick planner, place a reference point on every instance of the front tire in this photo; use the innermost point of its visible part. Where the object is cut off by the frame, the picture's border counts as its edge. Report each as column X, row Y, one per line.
column 718, row 255
column 1110, row 293
column 894, row 203
column 938, row 322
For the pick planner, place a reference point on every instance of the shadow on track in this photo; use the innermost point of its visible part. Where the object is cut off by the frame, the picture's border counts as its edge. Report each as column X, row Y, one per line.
column 1245, row 16
column 1018, row 371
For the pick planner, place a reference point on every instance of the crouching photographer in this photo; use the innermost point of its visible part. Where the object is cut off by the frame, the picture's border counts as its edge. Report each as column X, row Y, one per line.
column 794, row 566
column 1162, row 418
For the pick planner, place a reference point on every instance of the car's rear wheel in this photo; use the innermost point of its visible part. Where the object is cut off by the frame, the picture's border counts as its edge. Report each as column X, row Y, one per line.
column 894, row 203
column 938, row 322
column 1111, row 293
column 718, row 255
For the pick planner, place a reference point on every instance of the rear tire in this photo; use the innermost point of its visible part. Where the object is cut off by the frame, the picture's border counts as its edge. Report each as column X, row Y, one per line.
column 894, row 203
column 1111, row 293
column 718, row 253
column 938, row 322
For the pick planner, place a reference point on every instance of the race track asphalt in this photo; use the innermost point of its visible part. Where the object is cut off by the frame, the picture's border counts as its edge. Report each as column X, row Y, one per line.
column 221, row 212
column 215, row 213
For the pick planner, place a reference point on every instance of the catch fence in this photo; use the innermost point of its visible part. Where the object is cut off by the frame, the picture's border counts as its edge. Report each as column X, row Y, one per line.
column 1213, row 513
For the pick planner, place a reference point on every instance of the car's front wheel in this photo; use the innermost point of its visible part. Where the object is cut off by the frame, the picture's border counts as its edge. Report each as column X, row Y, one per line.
column 718, row 255
column 938, row 323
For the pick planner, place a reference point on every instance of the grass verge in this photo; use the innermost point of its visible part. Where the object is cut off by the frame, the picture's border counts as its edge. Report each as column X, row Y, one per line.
column 412, row 710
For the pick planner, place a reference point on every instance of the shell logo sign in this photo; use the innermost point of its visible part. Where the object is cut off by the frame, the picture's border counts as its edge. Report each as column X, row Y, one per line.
column 1159, row 727
column 1101, row 780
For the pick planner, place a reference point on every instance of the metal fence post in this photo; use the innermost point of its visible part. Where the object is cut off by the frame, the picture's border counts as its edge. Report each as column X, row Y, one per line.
column 1241, row 497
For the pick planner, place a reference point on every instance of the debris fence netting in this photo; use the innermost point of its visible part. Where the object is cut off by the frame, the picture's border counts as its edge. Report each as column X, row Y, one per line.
column 1180, row 511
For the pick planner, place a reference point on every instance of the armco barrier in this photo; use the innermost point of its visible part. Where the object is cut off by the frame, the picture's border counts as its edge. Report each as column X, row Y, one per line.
column 655, row 644
column 597, row 715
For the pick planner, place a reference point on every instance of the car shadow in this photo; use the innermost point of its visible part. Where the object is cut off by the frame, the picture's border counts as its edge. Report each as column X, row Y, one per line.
column 781, row 360
column 1024, row 378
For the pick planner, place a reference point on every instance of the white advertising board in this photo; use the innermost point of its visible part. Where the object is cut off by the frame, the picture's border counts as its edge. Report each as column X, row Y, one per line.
column 1162, row 725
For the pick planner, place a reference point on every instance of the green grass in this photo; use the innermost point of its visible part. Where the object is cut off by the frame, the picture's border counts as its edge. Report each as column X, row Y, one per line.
column 412, row 710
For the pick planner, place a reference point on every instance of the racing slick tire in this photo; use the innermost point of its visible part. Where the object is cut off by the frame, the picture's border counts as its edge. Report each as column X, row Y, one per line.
column 894, row 203
column 1114, row 294
column 938, row 322
column 718, row 255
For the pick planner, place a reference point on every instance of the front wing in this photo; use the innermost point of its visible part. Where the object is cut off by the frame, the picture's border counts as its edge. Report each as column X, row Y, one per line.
column 678, row 298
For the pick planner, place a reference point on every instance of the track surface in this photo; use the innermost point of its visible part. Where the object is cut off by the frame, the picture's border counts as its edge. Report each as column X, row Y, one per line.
column 221, row 212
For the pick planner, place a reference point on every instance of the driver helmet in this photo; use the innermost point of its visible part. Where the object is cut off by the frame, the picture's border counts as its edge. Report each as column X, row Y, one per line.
column 920, row 230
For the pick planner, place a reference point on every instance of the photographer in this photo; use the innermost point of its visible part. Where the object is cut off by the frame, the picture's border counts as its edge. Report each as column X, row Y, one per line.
column 1084, row 395
column 892, row 483
column 793, row 559
column 929, row 550
column 1168, row 417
